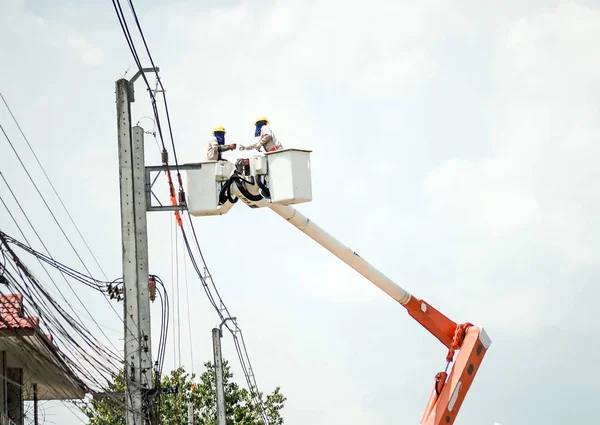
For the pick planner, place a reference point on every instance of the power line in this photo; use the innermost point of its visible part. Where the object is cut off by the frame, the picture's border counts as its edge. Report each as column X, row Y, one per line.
column 98, row 360
column 239, row 341
column 48, row 252
column 43, row 199
column 178, row 300
column 187, row 299
column 52, row 186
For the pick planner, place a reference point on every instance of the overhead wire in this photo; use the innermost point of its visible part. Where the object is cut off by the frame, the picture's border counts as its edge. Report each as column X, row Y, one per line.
column 52, row 186
column 46, row 249
column 43, row 199
column 61, row 229
column 43, row 310
column 32, row 348
column 41, row 263
column 173, row 296
column 189, row 314
column 50, row 255
column 178, row 302
column 239, row 341
column 61, row 270
column 62, row 332
column 89, row 281
column 47, row 308
column 35, row 296
column 164, row 299
column 104, row 366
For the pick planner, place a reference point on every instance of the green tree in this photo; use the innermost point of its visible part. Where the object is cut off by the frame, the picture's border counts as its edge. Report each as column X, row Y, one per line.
column 173, row 408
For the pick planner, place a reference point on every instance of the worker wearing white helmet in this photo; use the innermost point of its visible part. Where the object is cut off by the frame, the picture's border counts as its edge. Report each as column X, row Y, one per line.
column 267, row 139
column 217, row 145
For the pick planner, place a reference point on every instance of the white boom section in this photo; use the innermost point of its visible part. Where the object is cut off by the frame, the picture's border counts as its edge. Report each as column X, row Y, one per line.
column 342, row 252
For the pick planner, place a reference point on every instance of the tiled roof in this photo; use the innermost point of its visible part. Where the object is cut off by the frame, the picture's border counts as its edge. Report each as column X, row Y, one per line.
column 11, row 314
column 60, row 382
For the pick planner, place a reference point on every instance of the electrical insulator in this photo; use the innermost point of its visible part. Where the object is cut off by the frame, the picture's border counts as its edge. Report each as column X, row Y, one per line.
column 181, row 197
column 165, row 157
column 152, row 288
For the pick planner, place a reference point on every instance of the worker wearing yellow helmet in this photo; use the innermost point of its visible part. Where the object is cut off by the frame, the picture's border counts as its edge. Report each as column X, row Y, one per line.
column 266, row 137
column 216, row 145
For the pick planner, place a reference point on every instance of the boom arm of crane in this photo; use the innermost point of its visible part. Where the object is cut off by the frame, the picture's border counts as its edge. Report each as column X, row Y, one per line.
column 277, row 180
column 472, row 341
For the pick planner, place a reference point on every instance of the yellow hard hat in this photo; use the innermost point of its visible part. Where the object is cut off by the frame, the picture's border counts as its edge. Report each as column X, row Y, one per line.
column 259, row 119
column 219, row 128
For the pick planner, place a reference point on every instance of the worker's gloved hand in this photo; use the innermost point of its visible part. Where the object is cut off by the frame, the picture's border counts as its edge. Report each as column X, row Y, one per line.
column 232, row 146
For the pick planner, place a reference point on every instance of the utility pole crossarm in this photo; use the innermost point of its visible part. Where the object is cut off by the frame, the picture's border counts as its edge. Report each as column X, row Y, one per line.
column 135, row 77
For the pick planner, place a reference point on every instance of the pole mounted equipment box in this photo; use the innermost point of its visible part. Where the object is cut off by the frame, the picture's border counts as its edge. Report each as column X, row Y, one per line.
column 204, row 186
column 289, row 176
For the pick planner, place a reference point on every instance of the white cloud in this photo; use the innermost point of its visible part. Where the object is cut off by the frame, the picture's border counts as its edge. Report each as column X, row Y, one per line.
column 90, row 53
column 380, row 50
column 336, row 282
column 535, row 199
column 523, row 216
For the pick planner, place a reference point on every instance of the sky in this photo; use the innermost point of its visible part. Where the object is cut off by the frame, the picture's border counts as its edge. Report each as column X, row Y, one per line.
column 454, row 146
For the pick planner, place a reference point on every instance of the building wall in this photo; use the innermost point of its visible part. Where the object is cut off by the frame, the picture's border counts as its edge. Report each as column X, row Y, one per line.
column 14, row 394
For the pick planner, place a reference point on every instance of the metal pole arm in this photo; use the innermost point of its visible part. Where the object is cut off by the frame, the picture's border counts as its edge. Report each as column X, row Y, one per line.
column 136, row 76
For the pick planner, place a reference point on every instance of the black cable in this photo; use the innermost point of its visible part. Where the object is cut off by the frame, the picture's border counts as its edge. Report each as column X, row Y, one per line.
column 240, row 344
column 241, row 348
column 163, row 91
column 129, row 39
column 76, row 324
column 86, row 280
column 48, row 252
column 262, row 185
column 239, row 182
column 43, row 199
column 93, row 364
column 225, row 193
column 56, row 221
column 52, row 185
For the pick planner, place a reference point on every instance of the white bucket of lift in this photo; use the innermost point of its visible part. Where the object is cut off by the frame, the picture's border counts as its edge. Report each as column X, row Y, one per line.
column 289, row 176
column 204, row 186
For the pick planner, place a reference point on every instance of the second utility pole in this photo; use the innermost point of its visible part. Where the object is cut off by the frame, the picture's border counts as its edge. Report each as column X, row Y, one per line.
column 216, row 337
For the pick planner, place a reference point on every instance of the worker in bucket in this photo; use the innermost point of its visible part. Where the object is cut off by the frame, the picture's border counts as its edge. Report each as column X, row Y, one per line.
column 267, row 139
column 217, row 145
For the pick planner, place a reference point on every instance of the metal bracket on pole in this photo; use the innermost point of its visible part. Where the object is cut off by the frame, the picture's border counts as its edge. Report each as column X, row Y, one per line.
column 151, row 181
column 222, row 323
column 135, row 77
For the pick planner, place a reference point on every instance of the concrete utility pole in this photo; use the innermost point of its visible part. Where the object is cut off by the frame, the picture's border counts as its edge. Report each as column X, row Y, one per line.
column 138, row 352
column 216, row 336
column 190, row 414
